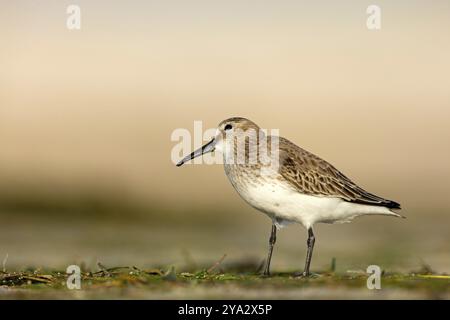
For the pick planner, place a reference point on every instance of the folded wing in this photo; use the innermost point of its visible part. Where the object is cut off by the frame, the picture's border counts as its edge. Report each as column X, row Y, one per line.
column 311, row 175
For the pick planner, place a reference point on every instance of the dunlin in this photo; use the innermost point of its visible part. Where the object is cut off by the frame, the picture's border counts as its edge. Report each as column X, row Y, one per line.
column 301, row 188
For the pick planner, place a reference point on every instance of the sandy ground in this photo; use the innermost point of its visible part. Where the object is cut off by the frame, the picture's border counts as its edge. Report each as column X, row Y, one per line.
column 53, row 244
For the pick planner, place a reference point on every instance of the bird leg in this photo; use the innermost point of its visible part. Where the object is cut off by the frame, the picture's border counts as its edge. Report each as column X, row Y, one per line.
column 310, row 244
column 272, row 240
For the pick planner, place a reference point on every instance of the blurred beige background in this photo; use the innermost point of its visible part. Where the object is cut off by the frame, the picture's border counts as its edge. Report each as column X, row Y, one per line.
column 86, row 118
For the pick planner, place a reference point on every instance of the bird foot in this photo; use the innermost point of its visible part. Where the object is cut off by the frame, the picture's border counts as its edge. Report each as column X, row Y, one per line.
column 305, row 275
column 265, row 274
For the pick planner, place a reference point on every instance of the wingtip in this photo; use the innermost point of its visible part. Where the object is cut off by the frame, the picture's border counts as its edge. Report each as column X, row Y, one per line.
column 394, row 205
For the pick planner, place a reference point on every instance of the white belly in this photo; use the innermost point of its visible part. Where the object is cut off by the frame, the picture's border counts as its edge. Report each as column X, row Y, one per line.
column 284, row 205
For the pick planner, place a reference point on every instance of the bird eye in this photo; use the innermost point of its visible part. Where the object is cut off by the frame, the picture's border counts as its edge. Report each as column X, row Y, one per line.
column 228, row 127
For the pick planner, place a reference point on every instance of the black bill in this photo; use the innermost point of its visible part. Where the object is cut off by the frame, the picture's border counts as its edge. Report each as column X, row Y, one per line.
column 209, row 147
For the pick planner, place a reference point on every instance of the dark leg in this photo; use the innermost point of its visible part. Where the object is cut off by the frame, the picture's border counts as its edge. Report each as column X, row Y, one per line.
column 272, row 240
column 310, row 243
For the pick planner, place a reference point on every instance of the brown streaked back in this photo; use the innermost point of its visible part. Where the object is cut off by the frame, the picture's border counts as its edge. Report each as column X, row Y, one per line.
column 311, row 175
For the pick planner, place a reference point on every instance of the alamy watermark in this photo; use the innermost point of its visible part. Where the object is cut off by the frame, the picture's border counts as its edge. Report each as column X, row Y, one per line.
column 73, row 21
column 242, row 146
column 374, row 280
column 373, row 21
column 74, row 279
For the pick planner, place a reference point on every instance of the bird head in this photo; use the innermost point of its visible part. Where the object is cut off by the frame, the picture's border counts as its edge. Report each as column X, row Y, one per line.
column 229, row 134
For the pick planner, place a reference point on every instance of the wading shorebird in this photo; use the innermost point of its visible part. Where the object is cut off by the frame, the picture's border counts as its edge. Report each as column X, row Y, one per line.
column 295, row 186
